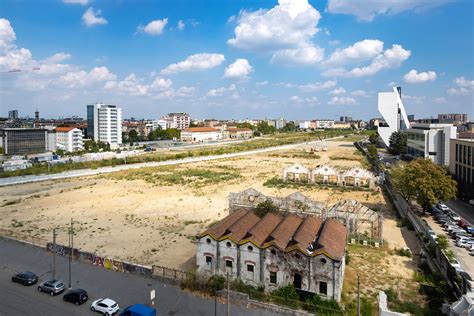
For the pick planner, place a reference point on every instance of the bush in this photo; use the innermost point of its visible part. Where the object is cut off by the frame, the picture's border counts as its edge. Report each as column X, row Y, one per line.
column 215, row 283
column 316, row 304
column 286, row 295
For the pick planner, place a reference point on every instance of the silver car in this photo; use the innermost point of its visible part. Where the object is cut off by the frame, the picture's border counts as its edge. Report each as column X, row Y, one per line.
column 52, row 287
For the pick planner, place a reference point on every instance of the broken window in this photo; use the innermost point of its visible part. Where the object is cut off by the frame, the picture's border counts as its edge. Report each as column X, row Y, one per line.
column 228, row 264
column 323, row 288
column 273, row 277
column 208, row 259
column 250, row 268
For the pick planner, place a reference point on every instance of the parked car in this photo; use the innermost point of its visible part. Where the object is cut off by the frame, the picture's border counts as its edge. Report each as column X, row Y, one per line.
column 432, row 234
column 52, row 287
column 25, row 278
column 471, row 202
column 455, row 217
column 455, row 264
column 464, row 242
column 76, row 296
column 442, row 206
column 470, row 229
column 138, row 310
column 461, row 234
column 105, row 306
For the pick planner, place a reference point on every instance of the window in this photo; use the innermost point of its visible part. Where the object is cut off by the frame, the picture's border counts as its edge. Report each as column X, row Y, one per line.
column 208, row 240
column 208, row 259
column 323, row 288
column 250, row 248
column 297, row 256
column 323, row 260
column 250, row 268
column 273, row 277
column 228, row 264
column 228, row 244
column 273, row 252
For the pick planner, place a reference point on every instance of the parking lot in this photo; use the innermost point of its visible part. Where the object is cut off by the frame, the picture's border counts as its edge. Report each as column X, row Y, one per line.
column 463, row 255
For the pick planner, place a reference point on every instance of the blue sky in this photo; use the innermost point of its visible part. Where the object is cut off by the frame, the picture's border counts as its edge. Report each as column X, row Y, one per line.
column 236, row 59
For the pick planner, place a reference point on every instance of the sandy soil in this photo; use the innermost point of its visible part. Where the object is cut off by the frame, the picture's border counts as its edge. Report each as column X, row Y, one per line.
column 125, row 215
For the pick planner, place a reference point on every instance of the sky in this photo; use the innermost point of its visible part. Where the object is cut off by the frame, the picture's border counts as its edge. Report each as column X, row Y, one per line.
column 231, row 59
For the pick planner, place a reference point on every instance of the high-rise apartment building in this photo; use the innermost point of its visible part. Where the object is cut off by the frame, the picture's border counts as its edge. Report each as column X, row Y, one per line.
column 104, row 123
column 391, row 107
column 177, row 120
column 461, row 164
column 13, row 115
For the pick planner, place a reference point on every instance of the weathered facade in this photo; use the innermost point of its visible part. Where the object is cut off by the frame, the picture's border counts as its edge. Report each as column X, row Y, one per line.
column 276, row 250
column 359, row 219
column 325, row 174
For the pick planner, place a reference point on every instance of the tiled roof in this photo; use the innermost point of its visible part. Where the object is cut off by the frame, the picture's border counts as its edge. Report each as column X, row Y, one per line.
column 288, row 233
column 238, row 129
column 64, row 129
column 200, row 129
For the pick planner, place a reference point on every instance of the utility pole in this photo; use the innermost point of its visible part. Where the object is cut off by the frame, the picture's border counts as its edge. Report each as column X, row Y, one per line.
column 228, row 303
column 215, row 294
column 70, row 252
column 358, row 296
column 54, row 253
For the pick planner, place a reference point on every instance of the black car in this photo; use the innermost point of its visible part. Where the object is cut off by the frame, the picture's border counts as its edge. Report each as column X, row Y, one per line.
column 76, row 296
column 25, row 278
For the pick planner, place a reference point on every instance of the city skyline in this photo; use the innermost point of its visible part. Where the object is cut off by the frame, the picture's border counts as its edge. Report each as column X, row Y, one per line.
column 237, row 60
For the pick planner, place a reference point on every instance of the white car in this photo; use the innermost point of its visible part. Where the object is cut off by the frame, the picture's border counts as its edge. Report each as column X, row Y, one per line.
column 443, row 207
column 105, row 306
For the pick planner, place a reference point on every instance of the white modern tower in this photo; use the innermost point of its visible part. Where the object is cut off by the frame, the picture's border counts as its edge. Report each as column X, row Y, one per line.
column 391, row 107
column 104, row 123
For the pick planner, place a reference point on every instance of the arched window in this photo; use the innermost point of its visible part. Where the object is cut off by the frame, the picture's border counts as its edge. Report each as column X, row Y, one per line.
column 273, row 252
column 323, row 260
column 250, row 248
column 208, row 240
column 228, row 244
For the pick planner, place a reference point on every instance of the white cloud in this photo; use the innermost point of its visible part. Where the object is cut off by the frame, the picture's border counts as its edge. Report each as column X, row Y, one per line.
column 91, row 17
column 17, row 59
column 463, row 86
column 154, row 28
column 389, row 59
column 7, row 34
column 359, row 93
column 414, row 76
column 369, row 9
column 219, row 92
column 57, row 58
column 414, row 98
column 440, row 100
column 297, row 99
column 337, row 91
column 195, row 62
column 240, row 69
column 307, row 55
column 81, row 2
column 342, row 101
column 77, row 79
column 261, row 83
column 359, row 51
column 284, row 31
column 317, row 86
column 181, row 25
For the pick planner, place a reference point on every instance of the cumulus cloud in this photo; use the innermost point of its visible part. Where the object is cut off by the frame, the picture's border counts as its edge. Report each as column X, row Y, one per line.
column 359, row 51
column 195, row 62
column 337, row 91
column 369, row 9
column 440, row 100
column 7, row 34
column 231, row 91
column 463, row 86
column 78, row 79
column 342, row 101
column 57, row 58
column 240, row 69
column 91, row 17
column 317, row 86
column 359, row 93
column 81, row 2
column 300, row 100
column 389, row 59
column 285, row 31
column 414, row 76
column 154, row 28
column 181, row 25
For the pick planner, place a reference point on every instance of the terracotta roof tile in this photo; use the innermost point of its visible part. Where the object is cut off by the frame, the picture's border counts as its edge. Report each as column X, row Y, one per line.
column 64, row 129
column 219, row 229
column 260, row 232
column 241, row 228
column 333, row 238
column 200, row 129
column 307, row 232
column 284, row 232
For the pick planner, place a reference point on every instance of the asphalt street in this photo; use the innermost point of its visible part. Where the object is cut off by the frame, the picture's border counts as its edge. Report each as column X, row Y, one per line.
column 126, row 289
column 463, row 209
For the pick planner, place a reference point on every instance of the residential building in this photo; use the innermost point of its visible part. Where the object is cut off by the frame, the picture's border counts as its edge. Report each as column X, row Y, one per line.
column 461, row 163
column 280, row 123
column 200, row 134
column 345, row 119
column 69, row 139
column 180, row 121
column 430, row 141
column 324, row 123
column 239, row 133
column 455, row 118
column 276, row 250
column 211, row 123
column 304, row 124
column 104, row 123
column 23, row 141
column 374, row 123
column 13, row 115
column 391, row 107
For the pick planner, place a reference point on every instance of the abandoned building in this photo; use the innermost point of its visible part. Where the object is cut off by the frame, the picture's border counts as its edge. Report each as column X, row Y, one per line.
column 361, row 221
column 355, row 177
column 276, row 250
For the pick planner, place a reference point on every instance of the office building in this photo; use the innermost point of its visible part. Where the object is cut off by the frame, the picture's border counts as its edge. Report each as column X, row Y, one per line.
column 24, row 141
column 345, row 119
column 455, row 118
column 69, row 139
column 13, row 115
column 393, row 112
column 461, row 164
column 104, row 123
column 411, row 117
column 431, row 141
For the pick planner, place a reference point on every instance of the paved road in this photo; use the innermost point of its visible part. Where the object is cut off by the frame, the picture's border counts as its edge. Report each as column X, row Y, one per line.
column 126, row 289
column 463, row 209
column 89, row 172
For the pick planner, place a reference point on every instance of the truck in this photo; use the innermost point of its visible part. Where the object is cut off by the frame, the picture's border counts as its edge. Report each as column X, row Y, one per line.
column 138, row 310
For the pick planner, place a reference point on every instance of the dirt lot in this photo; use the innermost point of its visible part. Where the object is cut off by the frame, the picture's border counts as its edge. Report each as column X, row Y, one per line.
column 151, row 215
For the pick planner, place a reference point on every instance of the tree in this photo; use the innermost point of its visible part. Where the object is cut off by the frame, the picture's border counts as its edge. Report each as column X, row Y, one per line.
column 372, row 151
column 442, row 241
column 246, row 125
column 264, row 128
column 398, row 143
column 289, row 127
column 374, row 138
column 133, row 136
column 423, row 181
column 265, row 207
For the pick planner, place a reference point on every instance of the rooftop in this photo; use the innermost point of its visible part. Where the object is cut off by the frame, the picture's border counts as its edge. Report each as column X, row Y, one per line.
column 200, row 129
